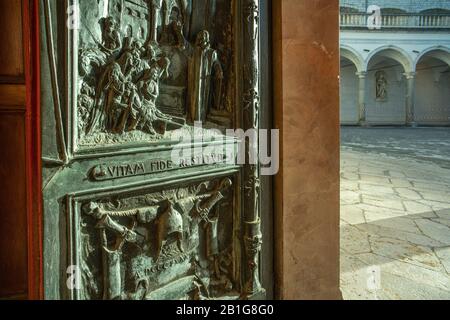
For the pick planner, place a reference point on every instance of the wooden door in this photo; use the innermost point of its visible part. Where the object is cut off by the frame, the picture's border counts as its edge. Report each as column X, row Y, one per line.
column 20, row 164
column 140, row 202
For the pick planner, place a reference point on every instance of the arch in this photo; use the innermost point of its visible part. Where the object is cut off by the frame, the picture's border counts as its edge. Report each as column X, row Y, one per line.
column 395, row 53
column 436, row 11
column 432, row 83
column 349, row 84
column 347, row 9
column 352, row 55
column 438, row 52
column 386, row 100
column 396, row 11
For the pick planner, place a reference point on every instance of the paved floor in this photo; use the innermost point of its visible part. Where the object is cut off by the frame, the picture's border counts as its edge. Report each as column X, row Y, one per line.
column 395, row 213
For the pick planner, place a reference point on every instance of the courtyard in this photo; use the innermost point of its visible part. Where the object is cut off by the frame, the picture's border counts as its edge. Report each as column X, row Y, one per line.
column 395, row 213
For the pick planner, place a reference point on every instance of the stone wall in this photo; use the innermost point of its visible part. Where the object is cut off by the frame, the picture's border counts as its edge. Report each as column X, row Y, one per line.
column 306, row 96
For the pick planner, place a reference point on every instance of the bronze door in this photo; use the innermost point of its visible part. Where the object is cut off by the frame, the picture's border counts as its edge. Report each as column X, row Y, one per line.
column 143, row 196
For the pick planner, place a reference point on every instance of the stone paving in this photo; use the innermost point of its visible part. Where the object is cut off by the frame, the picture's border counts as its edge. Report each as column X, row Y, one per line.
column 395, row 225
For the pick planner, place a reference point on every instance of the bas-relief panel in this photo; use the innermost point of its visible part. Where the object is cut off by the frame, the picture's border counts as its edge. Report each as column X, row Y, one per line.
column 176, row 243
column 147, row 68
column 144, row 71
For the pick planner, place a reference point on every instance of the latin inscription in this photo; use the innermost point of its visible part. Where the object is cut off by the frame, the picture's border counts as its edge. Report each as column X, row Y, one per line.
column 130, row 169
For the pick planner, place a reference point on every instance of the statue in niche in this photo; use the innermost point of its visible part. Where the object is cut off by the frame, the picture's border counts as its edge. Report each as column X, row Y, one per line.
column 381, row 86
column 204, row 64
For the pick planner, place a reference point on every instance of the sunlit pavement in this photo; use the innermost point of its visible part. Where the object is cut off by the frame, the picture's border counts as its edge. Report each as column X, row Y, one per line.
column 395, row 213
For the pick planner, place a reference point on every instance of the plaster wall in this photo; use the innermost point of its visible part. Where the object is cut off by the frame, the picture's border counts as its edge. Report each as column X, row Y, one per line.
column 432, row 106
column 349, row 110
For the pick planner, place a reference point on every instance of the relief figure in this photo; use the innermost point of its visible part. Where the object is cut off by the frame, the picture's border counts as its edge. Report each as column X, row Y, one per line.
column 147, row 77
column 153, row 247
column 173, row 26
column 117, row 101
column 152, row 118
column 205, row 75
column 111, row 39
column 127, row 93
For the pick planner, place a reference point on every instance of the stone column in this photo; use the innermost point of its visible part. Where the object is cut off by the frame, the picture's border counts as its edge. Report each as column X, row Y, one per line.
column 410, row 90
column 362, row 76
column 306, row 110
column 155, row 10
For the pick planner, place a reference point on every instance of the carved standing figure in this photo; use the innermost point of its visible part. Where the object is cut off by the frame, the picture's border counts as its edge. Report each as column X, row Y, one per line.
column 111, row 255
column 381, row 85
column 85, row 104
column 149, row 90
column 203, row 65
column 111, row 39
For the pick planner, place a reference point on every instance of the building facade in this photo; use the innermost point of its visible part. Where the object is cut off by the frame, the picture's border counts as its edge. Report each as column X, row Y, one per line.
column 395, row 60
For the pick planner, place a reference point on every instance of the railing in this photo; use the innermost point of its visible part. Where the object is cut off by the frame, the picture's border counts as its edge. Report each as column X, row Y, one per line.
column 431, row 21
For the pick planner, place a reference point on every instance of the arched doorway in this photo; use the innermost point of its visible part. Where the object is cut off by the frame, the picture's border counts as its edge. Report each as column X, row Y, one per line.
column 351, row 102
column 386, row 92
column 432, row 94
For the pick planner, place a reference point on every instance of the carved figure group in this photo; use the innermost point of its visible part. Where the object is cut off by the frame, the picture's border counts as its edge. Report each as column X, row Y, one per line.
column 126, row 93
column 160, row 231
column 128, row 88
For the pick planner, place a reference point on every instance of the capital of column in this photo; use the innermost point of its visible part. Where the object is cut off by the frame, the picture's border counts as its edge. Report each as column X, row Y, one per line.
column 157, row 4
column 361, row 74
column 410, row 75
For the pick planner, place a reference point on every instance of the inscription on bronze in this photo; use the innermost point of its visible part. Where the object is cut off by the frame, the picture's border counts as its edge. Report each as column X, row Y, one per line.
column 130, row 169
